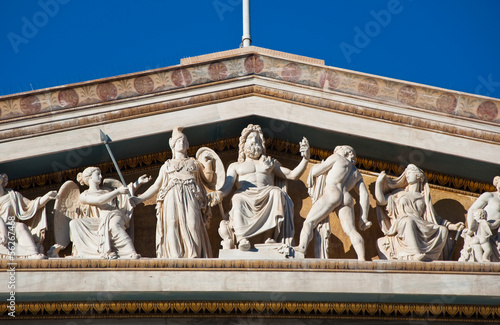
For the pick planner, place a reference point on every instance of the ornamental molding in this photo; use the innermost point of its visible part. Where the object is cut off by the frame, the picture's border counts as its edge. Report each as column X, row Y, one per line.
column 86, row 120
column 254, row 310
column 235, row 64
column 206, row 264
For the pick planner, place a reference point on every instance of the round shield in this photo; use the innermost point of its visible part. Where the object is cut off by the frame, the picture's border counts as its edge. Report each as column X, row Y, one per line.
column 219, row 172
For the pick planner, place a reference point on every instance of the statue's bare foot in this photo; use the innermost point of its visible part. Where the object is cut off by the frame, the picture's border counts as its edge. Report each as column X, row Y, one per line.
column 364, row 224
column 134, row 256
column 110, row 256
column 300, row 249
column 244, row 244
column 270, row 241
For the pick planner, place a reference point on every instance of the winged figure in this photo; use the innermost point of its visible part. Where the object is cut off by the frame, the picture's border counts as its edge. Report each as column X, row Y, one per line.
column 95, row 221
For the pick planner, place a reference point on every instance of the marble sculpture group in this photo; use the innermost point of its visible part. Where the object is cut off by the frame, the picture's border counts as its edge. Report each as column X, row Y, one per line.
column 97, row 220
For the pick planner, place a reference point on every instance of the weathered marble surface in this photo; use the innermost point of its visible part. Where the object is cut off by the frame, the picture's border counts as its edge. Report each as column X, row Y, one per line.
column 182, row 208
column 23, row 223
column 482, row 241
column 297, row 280
column 329, row 185
column 412, row 228
column 262, row 252
column 260, row 203
column 96, row 220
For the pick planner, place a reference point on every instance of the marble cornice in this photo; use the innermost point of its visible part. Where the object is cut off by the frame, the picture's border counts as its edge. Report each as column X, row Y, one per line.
column 254, row 310
column 281, row 67
column 110, row 116
column 205, row 264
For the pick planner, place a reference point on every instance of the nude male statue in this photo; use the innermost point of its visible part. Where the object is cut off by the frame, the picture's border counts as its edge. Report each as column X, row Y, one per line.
column 341, row 177
column 258, row 205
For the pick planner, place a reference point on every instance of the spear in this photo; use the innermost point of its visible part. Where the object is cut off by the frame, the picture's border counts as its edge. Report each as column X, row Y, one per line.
column 105, row 139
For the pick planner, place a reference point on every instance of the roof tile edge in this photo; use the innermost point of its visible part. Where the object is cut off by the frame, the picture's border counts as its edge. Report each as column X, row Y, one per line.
column 251, row 49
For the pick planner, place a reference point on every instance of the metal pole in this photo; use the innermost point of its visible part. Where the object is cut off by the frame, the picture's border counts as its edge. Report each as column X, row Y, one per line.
column 105, row 139
column 247, row 40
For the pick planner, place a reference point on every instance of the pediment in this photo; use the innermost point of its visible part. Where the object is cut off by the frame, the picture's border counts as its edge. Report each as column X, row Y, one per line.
column 47, row 136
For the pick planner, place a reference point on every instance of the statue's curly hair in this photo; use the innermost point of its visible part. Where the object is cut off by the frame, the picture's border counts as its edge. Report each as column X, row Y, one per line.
column 243, row 139
column 343, row 150
column 83, row 177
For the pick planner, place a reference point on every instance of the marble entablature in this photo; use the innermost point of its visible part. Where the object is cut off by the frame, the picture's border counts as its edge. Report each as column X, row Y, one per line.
column 246, row 62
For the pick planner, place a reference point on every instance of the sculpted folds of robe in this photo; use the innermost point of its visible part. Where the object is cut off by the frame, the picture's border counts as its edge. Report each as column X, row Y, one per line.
column 27, row 214
column 100, row 232
column 182, row 211
column 412, row 230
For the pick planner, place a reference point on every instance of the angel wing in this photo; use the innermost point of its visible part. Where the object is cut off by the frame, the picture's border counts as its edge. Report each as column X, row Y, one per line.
column 219, row 172
column 65, row 210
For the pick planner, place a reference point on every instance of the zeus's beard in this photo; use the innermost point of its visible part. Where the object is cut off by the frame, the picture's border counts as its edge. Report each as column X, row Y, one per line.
column 253, row 151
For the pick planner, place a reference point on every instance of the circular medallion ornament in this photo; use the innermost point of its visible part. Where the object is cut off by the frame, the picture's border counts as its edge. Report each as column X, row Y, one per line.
column 254, row 64
column 368, row 87
column 30, row 105
column 181, row 78
column 291, row 72
column 144, row 85
column 107, row 91
column 331, row 77
column 217, row 71
column 446, row 103
column 68, row 98
column 407, row 95
column 487, row 111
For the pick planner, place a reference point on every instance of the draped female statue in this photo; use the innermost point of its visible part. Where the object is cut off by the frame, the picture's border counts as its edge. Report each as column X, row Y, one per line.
column 412, row 229
column 182, row 210
column 22, row 222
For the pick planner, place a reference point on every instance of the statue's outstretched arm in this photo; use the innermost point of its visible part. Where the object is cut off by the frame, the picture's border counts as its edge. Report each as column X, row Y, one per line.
column 143, row 179
column 152, row 190
column 103, row 198
column 379, row 189
column 294, row 174
column 47, row 197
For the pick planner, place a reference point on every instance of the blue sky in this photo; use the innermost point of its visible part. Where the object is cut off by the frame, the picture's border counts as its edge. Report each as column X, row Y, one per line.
column 453, row 44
